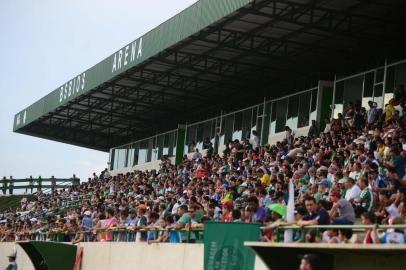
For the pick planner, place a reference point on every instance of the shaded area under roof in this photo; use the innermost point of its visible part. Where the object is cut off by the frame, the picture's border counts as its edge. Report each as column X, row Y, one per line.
column 216, row 56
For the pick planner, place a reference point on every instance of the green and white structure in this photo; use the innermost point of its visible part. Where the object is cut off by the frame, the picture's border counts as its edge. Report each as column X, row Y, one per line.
column 223, row 68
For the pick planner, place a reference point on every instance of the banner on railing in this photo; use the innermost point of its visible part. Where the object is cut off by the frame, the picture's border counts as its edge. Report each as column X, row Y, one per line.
column 224, row 245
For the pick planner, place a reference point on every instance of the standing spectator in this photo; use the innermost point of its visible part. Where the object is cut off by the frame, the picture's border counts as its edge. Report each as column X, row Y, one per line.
column 255, row 140
column 39, row 188
column 11, row 185
column 313, row 130
column 206, row 143
column 31, row 181
column 289, row 135
column 389, row 109
column 327, row 129
column 372, row 114
column 197, row 155
column 53, row 183
column 4, row 185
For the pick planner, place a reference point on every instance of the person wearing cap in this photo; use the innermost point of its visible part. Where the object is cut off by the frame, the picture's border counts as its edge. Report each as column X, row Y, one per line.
column 344, row 209
column 309, row 262
column 323, row 190
column 12, row 265
column 87, row 221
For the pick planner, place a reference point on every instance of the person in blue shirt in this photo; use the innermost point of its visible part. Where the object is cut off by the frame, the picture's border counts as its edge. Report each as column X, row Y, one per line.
column 132, row 218
column 395, row 237
column 316, row 215
column 398, row 162
column 87, row 221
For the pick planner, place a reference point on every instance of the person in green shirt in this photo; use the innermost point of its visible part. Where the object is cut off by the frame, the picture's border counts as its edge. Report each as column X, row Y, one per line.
column 11, row 262
column 364, row 200
column 184, row 221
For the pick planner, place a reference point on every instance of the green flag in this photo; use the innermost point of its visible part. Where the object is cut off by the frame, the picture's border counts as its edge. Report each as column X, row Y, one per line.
column 224, row 245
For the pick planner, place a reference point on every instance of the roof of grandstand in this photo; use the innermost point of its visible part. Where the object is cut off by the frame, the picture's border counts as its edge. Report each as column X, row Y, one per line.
column 215, row 50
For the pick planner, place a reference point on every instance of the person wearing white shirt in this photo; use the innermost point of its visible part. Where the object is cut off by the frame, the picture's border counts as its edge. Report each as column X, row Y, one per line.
column 255, row 140
column 353, row 190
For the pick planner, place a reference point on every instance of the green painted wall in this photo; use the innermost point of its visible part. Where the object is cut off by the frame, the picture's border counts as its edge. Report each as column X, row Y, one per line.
column 57, row 256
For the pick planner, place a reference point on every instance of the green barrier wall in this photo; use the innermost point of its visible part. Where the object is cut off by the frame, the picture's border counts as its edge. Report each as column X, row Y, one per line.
column 224, row 245
column 50, row 255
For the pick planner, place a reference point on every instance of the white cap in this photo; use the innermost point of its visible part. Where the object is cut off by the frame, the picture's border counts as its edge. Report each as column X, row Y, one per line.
column 162, row 198
column 87, row 213
column 12, row 254
column 34, row 220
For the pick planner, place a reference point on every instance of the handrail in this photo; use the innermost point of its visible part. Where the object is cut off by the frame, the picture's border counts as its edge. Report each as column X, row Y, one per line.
column 278, row 229
column 119, row 234
column 359, row 227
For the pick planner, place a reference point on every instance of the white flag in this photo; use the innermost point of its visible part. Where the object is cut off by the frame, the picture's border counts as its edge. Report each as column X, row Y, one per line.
column 290, row 216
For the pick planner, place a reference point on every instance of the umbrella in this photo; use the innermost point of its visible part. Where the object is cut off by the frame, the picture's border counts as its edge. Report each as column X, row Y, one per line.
column 278, row 208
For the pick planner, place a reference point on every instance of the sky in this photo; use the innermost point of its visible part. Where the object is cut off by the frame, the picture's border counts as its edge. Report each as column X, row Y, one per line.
column 45, row 43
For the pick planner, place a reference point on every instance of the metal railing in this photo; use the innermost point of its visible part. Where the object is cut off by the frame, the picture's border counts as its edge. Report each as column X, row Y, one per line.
column 129, row 234
column 319, row 228
column 108, row 235
column 9, row 185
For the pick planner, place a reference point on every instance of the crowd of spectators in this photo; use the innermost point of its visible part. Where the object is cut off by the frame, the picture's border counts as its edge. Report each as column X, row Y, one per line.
column 352, row 172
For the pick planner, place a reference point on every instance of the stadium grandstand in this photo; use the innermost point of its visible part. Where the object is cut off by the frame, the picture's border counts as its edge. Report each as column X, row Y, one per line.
column 288, row 114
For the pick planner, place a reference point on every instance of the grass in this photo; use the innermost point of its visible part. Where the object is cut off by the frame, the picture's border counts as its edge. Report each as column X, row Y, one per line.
column 13, row 201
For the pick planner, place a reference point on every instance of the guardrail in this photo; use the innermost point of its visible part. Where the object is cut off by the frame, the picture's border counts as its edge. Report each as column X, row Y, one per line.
column 358, row 228
column 112, row 235
column 129, row 234
column 37, row 183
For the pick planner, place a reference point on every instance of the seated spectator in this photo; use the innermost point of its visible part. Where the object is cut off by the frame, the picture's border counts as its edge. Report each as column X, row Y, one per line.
column 342, row 211
column 315, row 215
column 369, row 218
column 344, row 236
column 365, row 199
column 396, row 237
column 258, row 213
column 352, row 190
